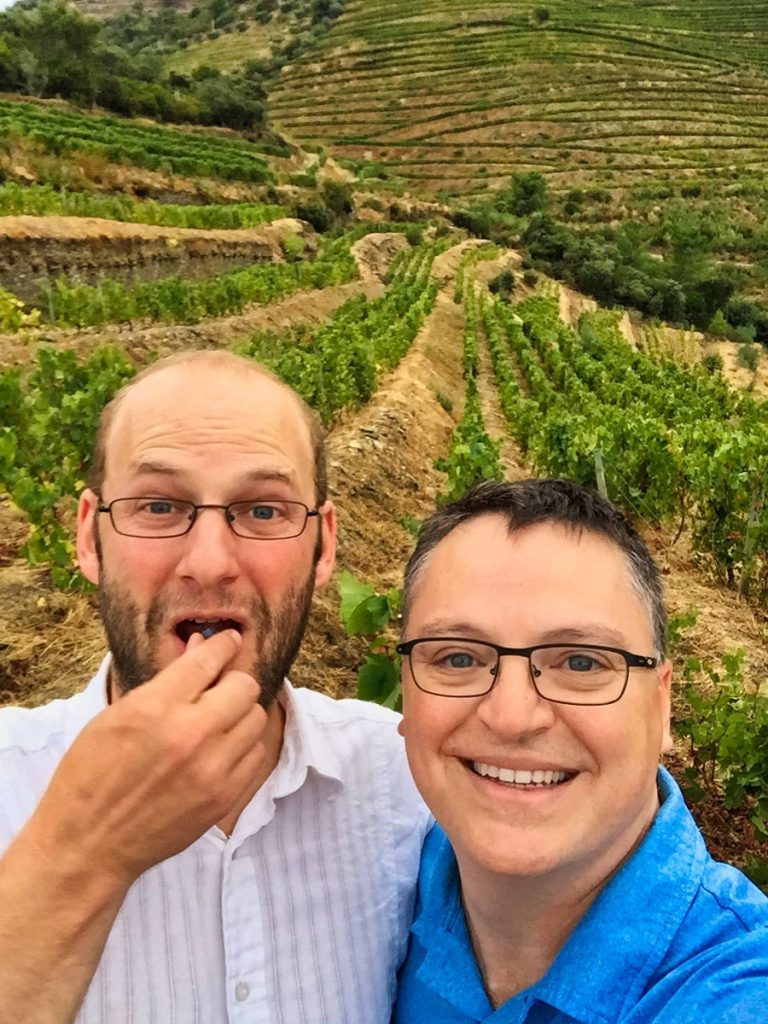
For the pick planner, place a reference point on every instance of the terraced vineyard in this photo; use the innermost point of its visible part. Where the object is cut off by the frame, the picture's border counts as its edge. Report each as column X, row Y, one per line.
column 434, row 360
column 120, row 140
column 455, row 97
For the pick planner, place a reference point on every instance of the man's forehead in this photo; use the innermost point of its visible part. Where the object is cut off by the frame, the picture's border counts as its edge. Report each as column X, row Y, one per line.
column 538, row 549
column 186, row 410
column 197, row 381
column 199, row 391
column 547, row 572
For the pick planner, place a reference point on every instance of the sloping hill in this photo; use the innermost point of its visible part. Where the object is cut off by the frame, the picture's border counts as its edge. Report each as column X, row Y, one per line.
column 457, row 94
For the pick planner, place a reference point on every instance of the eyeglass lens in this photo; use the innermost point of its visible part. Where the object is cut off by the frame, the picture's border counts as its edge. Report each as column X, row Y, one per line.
column 569, row 673
column 169, row 517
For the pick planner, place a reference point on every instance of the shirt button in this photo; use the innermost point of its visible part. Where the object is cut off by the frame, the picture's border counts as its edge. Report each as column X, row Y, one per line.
column 242, row 991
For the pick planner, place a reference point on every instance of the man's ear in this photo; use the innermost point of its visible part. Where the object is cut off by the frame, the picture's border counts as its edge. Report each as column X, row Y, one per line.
column 665, row 706
column 87, row 557
column 327, row 559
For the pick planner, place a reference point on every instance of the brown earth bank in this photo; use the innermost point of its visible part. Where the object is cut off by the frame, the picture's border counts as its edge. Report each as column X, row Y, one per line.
column 381, row 461
column 373, row 255
column 89, row 248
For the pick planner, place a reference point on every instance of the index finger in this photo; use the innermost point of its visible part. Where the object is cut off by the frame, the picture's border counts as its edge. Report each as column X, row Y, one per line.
column 190, row 675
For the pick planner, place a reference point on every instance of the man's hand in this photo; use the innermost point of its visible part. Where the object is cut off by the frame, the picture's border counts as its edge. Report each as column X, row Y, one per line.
column 143, row 780
column 155, row 770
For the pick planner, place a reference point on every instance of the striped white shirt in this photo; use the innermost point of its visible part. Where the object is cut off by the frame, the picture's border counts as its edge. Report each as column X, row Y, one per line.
column 300, row 917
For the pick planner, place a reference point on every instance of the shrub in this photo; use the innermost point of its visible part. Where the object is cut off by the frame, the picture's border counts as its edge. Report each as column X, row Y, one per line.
column 713, row 363
column 503, row 284
column 414, row 234
column 748, row 356
column 445, row 401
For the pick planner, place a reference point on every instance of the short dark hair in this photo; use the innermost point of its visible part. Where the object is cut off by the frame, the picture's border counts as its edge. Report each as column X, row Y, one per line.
column 528, row 502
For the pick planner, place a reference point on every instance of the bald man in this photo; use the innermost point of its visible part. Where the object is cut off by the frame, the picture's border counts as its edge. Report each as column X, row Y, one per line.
column 190, row 839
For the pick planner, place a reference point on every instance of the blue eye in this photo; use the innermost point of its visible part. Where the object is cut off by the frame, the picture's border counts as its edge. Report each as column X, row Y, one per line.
column 159, row 508
column 582, row 663
column 459, row 659
column 263, row 512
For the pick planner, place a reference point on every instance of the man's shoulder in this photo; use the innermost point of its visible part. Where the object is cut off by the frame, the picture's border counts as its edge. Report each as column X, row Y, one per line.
column 728, row 897
column 32, row 730
column 345, row 711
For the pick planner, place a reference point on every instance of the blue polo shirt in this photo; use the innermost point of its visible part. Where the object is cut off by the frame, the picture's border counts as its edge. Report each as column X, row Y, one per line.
column 674, row 938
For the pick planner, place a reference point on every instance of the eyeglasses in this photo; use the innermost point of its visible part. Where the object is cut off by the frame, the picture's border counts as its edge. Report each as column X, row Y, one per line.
column 562, row 673
column 168, row 517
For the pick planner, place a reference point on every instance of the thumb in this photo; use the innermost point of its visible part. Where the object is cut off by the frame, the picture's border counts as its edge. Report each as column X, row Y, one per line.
column 200, row 665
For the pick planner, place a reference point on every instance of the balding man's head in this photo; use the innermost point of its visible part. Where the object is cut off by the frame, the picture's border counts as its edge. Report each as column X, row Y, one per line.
column 213, row 362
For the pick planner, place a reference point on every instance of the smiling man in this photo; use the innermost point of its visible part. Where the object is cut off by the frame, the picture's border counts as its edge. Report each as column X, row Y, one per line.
column 566, row 881
column 190, row 839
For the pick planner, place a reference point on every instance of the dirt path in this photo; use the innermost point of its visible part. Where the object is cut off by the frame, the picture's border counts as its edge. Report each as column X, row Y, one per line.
column 82, row 229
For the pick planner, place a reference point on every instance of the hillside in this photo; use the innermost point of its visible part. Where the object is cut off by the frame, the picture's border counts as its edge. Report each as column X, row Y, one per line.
column 429, row 256
column 456, row 96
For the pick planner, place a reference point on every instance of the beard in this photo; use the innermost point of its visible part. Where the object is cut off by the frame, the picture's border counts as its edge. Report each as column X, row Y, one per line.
column 278, row 632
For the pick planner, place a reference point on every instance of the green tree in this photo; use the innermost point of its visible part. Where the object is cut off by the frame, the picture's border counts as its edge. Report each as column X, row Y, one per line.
column 526, row 194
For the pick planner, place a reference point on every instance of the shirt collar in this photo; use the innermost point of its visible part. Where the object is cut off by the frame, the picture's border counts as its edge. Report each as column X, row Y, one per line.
column 620, row 942
column 304, row 745
column 303, row 756
column 89, row 702
column 605, row 966
column 304, row 741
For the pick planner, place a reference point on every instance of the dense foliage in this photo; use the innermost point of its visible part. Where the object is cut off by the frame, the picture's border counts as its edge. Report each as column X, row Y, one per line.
column 668, row 268
column 473, row 456
column 118, row 140
column 339, row 365
column 44, row 201
column 177, row 299
column 51, row 50
column 676, row 444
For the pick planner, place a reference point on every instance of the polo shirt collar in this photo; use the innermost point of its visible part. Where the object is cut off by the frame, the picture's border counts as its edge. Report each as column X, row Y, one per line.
column 619, row 944
column 604, row 967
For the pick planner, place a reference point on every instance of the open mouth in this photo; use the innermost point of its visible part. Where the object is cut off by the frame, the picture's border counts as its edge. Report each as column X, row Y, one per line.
column 521, row 778
column 207, row 627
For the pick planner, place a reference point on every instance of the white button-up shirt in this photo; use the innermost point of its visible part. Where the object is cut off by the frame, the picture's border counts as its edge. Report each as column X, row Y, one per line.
column 300, row 917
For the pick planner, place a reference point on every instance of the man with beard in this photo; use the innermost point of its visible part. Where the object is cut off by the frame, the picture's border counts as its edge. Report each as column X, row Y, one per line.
column 190, row 839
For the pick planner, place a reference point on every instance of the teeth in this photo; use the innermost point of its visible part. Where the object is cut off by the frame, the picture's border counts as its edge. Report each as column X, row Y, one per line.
column 519, row 777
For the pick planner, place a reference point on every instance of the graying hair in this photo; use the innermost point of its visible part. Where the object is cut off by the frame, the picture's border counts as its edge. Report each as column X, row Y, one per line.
column 528, row 502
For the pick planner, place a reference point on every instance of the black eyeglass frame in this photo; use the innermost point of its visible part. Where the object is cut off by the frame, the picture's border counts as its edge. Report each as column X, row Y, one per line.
column 309, row 513
column 405, row 648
